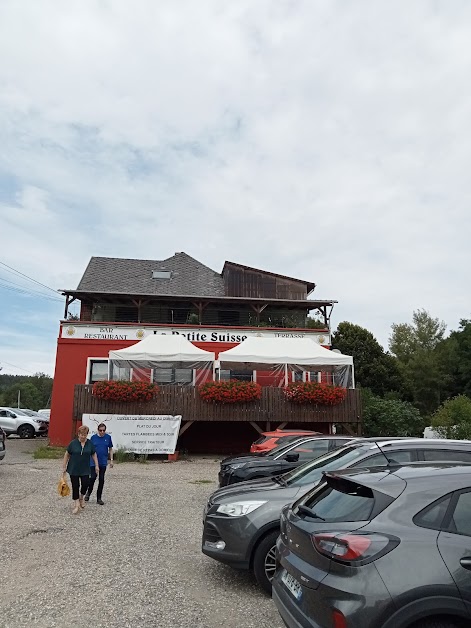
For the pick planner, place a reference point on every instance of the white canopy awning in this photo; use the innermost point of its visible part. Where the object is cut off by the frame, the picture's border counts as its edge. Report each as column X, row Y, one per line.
column 158, row 349
column 302, row 352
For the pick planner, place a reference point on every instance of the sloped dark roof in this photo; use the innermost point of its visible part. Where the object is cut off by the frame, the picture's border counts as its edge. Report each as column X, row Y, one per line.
column 113, row 275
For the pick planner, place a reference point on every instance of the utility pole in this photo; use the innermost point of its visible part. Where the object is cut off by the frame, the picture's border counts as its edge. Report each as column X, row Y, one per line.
column 19, row 397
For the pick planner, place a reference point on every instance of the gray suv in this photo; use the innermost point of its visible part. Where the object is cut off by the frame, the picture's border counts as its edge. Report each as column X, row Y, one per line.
column 383, row 548
column 15, row 422
column 242, row 521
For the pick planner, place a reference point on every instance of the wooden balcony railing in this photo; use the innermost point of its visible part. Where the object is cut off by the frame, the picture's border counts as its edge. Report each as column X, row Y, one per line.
column 185, row 400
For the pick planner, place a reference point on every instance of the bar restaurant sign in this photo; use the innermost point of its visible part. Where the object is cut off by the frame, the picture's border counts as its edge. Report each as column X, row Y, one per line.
column 139, row 434
column 197, row 334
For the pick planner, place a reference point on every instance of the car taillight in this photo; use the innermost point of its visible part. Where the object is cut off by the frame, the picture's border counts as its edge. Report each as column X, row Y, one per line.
column 351, row 548
column 339, row 619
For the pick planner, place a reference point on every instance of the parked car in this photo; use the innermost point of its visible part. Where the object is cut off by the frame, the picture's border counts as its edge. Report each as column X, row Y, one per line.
column 34, row 414
column 270, row 440
column 242, row 521
column 13, row 421
column 3, row 438
column 278, row 460
column 45, row 412
column 383, row 548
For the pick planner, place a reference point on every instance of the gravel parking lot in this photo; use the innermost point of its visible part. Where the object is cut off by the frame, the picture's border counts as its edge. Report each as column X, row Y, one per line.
column 136, row 561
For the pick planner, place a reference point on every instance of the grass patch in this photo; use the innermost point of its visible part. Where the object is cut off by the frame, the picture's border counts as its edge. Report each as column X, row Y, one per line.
column 48, row 453
column 123, row 455
column 200, row 482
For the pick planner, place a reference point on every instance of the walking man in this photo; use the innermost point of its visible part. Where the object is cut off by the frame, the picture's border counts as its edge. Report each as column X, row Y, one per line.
column 103, row 446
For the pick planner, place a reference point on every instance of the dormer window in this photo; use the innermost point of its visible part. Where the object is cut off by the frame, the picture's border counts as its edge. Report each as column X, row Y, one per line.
column 161, row 274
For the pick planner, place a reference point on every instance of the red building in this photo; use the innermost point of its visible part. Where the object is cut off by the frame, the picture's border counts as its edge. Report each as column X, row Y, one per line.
column 123, row 300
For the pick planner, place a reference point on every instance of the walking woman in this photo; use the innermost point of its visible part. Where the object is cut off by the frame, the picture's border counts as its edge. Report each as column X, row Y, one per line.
column 76, row 463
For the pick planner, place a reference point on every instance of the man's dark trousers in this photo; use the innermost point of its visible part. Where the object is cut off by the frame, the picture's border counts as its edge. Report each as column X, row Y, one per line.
column 101, row 481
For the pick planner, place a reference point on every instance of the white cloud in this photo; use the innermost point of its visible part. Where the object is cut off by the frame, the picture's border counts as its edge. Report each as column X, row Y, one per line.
column 321, row 140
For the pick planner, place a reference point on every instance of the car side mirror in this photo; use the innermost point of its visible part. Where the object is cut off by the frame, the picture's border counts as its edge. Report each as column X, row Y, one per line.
column 292, row 457
column 13, row 415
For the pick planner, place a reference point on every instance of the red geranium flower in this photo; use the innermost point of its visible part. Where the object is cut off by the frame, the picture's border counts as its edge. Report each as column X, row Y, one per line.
column 232, row 391
column 317, row 393
column 121, row 390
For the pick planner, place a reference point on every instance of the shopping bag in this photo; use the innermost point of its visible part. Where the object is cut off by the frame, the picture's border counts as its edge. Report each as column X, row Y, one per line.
column 63, row 488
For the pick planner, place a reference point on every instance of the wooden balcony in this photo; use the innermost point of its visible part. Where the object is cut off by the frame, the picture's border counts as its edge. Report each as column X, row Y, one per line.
column 272, row 407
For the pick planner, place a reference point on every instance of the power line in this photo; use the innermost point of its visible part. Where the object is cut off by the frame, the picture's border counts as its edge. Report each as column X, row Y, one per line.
column 30, row 279
column 27, row 291
column 17, row 367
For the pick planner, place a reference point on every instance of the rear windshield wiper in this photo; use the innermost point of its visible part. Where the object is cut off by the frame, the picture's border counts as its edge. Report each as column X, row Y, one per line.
column 309, row 513
column 280, row 480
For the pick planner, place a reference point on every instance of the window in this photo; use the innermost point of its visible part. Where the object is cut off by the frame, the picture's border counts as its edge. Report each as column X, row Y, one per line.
column 432, row 516
column 308, row 451
column 161, row 274
column 344, row 502
column 447, row 455
column 242, row 376
column 395, row 457
column 98, row 371
column 173, row 376
column 120, row 372
column 461, row 518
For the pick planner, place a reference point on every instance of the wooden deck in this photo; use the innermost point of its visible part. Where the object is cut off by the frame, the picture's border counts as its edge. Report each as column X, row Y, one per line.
column 273, row 406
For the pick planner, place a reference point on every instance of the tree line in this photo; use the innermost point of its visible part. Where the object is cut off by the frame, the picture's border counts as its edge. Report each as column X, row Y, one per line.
column 424, row 379
column 34, row 391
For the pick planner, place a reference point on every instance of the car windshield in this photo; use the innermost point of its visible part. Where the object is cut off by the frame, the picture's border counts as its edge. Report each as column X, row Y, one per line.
column 16, row 411
column 281, row 448
column 311, row 472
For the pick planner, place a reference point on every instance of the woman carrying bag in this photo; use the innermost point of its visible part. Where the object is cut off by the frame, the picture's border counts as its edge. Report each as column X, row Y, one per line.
column 76, row 463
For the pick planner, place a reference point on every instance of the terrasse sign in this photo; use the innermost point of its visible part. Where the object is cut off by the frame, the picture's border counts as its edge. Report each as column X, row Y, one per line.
column 199, row 334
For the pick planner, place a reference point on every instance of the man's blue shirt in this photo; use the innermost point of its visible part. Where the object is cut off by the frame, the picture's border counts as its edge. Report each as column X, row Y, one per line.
column 102, row 445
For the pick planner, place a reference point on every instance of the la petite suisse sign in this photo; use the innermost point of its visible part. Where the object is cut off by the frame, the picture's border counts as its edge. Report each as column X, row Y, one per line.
column 198, row 334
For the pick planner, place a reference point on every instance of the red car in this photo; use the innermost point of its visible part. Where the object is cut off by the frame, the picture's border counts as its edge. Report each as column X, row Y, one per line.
column 270, row 440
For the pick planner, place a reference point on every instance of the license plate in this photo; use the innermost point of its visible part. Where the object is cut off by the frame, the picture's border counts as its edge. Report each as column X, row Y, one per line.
column 291, row 584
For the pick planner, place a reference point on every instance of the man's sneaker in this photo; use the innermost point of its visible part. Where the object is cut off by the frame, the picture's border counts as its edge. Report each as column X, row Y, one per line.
column 87, row 497
column 100, row 501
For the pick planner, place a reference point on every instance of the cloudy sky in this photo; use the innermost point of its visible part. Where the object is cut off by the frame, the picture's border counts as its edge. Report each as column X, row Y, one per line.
column 320, row 139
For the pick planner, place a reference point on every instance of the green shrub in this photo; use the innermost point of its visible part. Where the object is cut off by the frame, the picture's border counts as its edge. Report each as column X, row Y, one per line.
column 453, row 418
column 390, row 417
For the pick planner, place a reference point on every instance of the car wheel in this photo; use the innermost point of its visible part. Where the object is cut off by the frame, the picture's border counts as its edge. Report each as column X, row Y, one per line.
column 25, row 431
column 264, row 561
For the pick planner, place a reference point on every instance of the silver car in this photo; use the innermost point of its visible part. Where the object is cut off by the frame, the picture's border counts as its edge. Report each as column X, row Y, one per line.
column 13, row 421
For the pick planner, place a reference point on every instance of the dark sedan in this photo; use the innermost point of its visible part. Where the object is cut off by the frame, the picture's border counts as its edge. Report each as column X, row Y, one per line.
column 278, row 460
column 3, row 438
column 242, row 521
column 383, row 548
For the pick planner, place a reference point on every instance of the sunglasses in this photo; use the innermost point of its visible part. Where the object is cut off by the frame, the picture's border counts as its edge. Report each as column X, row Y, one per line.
column 100, row 429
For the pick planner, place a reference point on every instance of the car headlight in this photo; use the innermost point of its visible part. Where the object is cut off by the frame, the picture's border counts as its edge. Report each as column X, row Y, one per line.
column 238, row 465
column 239, row 509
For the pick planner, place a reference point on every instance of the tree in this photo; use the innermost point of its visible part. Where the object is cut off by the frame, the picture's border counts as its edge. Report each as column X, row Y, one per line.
column 421, row 360
column 390, row 417
column 453, row 418
column 460, row 342
column 374, row 369
column 424, row 334
column 35, row 390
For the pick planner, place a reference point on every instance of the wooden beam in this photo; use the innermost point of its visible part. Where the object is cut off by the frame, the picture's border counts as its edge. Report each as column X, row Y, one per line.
column 267, row 426
column 282, row 425
column 184, row 428
column 68, row 301
column 256, row 427
column 200, row 306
